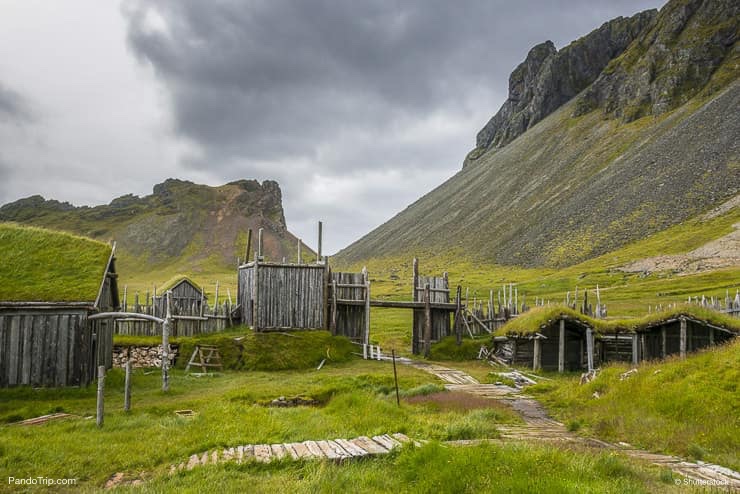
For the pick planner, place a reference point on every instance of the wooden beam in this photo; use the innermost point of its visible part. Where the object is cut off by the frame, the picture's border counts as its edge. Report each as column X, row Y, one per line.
column 683, row 337
column 590, row 349
column 367, row 305
column 663, row 342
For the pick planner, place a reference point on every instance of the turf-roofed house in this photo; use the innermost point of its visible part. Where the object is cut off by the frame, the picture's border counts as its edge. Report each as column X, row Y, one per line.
column 50, row 283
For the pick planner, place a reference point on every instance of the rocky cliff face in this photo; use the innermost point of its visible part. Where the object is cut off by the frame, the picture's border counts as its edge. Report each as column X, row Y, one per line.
column 591, row 176
column 180, row 221
column 548, row 78
column 671, row 61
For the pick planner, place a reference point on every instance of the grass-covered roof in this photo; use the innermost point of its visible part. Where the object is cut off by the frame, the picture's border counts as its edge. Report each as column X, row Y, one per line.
column 38, row 265
column 539, row 318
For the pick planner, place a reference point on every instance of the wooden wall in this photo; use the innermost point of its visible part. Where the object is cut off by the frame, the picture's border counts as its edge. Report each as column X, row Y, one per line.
column 439, row 292
column 51, row 347
column 275, row 296
column 351, row 307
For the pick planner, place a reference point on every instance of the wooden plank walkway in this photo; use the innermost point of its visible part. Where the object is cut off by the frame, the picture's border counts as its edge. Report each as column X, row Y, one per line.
column 538, row 427
column 335, row 450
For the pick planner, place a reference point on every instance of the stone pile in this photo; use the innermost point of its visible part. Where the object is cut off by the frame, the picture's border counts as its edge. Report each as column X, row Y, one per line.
column 142, row 356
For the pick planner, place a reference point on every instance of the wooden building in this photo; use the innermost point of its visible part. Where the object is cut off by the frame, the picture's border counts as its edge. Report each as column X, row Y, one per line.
column 566, row 341
column 50, row 282
column 187, row 297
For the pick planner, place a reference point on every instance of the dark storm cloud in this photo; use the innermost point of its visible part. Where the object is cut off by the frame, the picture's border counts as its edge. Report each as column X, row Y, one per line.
column 13, row 106
column 272, row 79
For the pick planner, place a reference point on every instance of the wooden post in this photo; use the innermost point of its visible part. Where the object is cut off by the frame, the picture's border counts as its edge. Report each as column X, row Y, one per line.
column 318, row 255
column 561, row 347
column 663, row 342
column 683, row 337
column 590, row 349
column 427, row 322
column 395, row 376
column 537, row 361
column 215, row 301
column 166, row 345
column 249, row 246
column 635, row 350
column 711, row 336
column 259, row 244
column 101, row 393
column 643, row 348
column 127, row 388
column 367, row 305
column 415, row 279
column 125, row 298
column 300, row 244
column 255, row 295
column 458, row 315
column 334, row 308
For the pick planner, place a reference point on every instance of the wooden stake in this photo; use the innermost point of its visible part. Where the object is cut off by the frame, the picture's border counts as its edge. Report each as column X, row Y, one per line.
column 427, row 322
column 590, row 349
column 395, row 376
column 367, row 304
column 127, row 388
column 249, row 245
column 166, row 345
column 300, row 244
column 458, row 315
column 101, row 395
column 537, row 361
column 259, row 244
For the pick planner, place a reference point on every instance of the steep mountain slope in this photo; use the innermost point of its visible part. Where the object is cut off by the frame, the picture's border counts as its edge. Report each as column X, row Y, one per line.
column 629, row 156
column 182, row 226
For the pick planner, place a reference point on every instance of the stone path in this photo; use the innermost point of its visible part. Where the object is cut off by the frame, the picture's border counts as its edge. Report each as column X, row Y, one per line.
column 336, row 450
column 538, row 426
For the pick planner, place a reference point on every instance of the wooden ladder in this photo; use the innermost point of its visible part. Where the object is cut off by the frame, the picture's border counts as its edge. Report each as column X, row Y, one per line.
column 208, row 356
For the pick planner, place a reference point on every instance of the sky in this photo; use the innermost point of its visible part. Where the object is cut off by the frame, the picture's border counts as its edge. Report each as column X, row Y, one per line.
column 356, row 108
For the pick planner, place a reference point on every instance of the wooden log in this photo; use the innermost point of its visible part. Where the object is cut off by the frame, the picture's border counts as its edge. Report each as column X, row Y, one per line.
column 663, row 342
column 561, row 347
column 590, row 349
column 300, row 244
column 682, row 350
column 101, row 395
column 415, row 268
column 537, row 360
column 427, row 322
column 635, row 350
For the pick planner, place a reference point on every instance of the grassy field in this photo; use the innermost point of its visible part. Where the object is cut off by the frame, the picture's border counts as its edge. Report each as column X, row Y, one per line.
column 356, row 399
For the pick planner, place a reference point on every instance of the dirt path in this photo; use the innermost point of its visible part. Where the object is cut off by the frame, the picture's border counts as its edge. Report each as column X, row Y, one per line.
column 538, row 426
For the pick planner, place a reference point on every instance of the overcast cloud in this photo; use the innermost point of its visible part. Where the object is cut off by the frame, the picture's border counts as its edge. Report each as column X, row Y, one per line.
column 355, row 108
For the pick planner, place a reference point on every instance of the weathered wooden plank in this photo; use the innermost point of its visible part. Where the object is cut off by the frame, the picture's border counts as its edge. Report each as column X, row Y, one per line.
column 351, row 448
column 313, row 449
column 13, row 350
column 301, row 450
column 328, row 451
column 278, row 451
column 290, row 449
column 369, row 445
column 262, row 453
column 26, row 346
column 62, row 348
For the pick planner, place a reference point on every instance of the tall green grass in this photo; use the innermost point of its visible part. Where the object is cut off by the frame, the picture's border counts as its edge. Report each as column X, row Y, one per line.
column 684, row 407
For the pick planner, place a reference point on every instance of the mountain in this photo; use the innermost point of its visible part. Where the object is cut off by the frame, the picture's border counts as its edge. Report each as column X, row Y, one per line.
column 620, row 135
column 181, row 226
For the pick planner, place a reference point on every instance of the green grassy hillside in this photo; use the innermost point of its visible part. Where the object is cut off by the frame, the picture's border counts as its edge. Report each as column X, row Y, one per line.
column 685, row 407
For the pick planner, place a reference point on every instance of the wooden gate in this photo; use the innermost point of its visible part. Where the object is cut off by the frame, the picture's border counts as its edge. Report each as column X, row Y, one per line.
column 350, row 306
column 439, row 293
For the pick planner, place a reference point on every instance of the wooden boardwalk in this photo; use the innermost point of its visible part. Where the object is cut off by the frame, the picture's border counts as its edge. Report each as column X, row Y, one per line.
column 334, row 450
column 539, row 427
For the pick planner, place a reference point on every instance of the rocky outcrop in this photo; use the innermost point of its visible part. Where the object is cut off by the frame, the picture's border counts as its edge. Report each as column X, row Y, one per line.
column 548, row 78
column 179, row 222
column 670, row 62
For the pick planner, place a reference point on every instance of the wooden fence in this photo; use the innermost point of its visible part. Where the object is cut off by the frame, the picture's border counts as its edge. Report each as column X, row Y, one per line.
column 283, row 296
column 349, row 299
column 188, row 319
column 432, row 319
